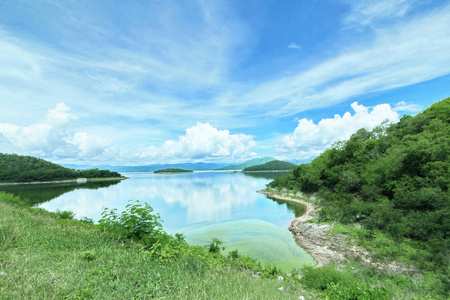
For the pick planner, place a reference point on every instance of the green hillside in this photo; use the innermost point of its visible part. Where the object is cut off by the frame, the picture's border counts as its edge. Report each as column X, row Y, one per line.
column 275, row 165
column 392, row 180
column 248, row 163
column 17, row 168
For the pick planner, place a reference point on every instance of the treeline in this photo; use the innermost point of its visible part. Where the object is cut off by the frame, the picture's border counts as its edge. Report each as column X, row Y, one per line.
column 394, row 178
column 17, row 168
column 275, row 165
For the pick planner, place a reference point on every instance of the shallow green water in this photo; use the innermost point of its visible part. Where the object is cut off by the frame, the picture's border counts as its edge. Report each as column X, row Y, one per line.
column 201, row 205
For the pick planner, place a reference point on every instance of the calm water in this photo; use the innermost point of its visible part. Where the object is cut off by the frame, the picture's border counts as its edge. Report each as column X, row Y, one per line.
column 201, row 205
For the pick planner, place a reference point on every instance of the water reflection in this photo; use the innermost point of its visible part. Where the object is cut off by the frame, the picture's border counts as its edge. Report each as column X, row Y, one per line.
column 201, row 205
column 297, row 208
column 39, row 193
column 266, row 175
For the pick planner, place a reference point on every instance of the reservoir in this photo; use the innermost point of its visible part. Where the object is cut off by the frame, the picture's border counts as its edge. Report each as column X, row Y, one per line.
column 201, row 205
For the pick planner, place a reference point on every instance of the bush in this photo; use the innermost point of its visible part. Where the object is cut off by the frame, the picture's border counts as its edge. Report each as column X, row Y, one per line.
column 214, row 247
column 137, row 223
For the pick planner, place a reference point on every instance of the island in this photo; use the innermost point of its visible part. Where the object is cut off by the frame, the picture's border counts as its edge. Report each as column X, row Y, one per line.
column 172, row 170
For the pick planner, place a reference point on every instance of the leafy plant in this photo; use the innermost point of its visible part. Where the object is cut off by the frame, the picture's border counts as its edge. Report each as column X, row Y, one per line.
column 234, row 254
column 270, row 271
column 166, row 251
column 214, row 247
column 136, row 223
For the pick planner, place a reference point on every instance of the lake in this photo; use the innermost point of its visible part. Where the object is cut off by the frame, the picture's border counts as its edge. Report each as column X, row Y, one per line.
column 201, row 205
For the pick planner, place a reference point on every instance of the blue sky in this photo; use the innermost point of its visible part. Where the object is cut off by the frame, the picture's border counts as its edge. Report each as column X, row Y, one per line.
column 139, row 82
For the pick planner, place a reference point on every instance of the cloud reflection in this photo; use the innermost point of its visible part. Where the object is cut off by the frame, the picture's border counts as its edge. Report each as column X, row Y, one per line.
column 182, row 199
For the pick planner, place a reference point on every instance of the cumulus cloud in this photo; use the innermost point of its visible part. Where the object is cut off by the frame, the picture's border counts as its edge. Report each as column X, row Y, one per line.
column 52, row 138
column 310, row 139
column 203, row 141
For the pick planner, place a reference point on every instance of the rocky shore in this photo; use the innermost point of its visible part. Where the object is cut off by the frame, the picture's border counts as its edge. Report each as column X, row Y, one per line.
column 313, row 238
column 325, row 248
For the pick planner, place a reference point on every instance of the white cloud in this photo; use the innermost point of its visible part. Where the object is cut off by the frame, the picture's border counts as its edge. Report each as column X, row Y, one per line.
column 294, row 46
column 411, row 108
column 310, row 139
column 53, row 138
column 204, row 142
column 368, row 11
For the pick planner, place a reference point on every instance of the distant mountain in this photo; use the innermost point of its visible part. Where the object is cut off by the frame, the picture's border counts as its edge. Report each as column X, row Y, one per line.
column 151, row 168
column 249, row 163
column 275, row 165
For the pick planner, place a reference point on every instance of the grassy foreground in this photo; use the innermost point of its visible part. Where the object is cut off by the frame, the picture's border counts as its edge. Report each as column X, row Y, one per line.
column 43, row 256
column 47, row 255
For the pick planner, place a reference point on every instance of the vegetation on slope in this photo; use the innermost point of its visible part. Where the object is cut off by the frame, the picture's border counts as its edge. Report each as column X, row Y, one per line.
column 17, row 168
column 275, row 165
column 248, row 163
column 393, row 181
column 173, row 170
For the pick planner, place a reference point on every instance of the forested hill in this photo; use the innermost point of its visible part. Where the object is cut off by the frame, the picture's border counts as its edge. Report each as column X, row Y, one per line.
column 16, row 168
column 275, row 165
column 394, row 179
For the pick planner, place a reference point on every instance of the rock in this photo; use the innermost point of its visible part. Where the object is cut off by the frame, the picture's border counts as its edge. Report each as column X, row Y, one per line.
column 301, row 298
column 280, row 278
column 281, row 288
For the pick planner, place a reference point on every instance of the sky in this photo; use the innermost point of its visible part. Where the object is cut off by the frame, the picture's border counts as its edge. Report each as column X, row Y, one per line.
column 139, row 82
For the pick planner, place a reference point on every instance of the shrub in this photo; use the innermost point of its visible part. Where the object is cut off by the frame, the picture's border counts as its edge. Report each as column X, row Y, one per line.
column 214, row 247
column 234, row 254
column 270, row 271
column 136, row 223
column 166, row 251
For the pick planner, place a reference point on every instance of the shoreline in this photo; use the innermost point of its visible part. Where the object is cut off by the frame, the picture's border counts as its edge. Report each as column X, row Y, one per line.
column 312, row 237
column 64, row 181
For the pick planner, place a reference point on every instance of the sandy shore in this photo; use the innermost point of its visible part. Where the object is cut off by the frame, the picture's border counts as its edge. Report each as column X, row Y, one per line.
column 313, row 238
